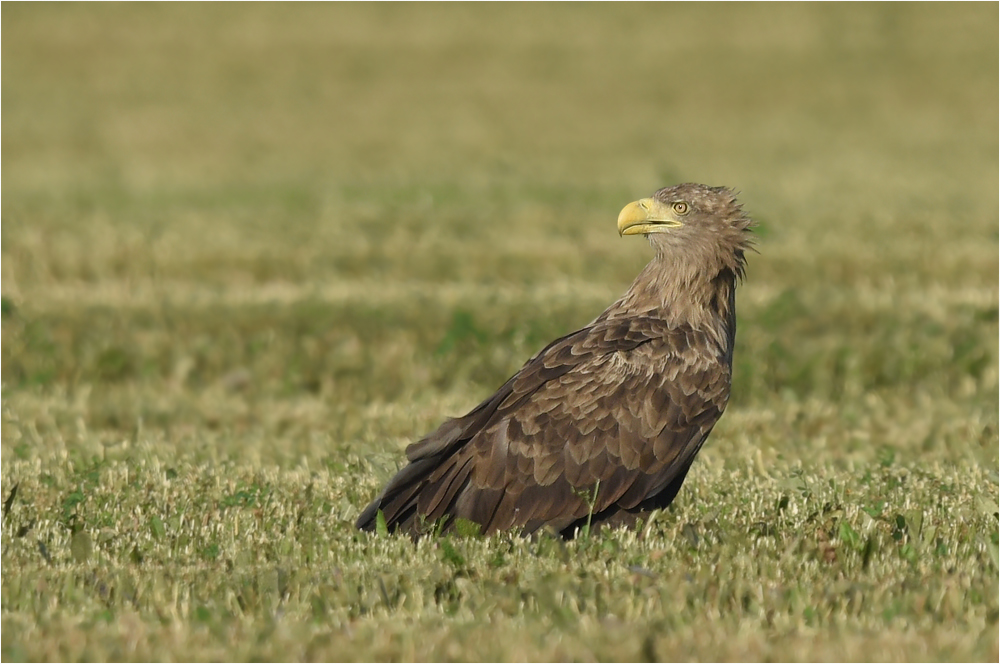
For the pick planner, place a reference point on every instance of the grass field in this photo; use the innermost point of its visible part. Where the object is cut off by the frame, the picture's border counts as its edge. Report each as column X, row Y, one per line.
column 250, row 252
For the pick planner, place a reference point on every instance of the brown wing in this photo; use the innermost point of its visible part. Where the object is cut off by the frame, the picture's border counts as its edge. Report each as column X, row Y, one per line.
column 620, row 407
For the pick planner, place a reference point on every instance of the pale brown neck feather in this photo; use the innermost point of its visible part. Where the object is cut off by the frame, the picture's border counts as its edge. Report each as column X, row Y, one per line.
column 694, row 287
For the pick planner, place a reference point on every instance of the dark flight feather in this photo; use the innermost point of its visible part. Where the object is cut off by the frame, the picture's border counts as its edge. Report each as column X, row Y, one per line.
column 620, row 407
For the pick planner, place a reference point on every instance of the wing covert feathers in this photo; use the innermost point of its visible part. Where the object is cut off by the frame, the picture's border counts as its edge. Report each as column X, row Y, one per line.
column 622, row 405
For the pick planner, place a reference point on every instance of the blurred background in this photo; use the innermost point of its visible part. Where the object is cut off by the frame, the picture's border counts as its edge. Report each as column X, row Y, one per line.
column 592, row 96
column 205, row 205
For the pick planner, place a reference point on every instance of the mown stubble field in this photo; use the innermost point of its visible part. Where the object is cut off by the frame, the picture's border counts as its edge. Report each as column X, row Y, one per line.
column 249, row 253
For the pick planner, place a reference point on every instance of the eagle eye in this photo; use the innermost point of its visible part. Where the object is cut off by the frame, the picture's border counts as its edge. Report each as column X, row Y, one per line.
column 680, row 207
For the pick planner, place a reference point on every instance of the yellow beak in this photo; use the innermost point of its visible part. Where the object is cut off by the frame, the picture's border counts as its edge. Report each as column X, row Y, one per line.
column 645, row 216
